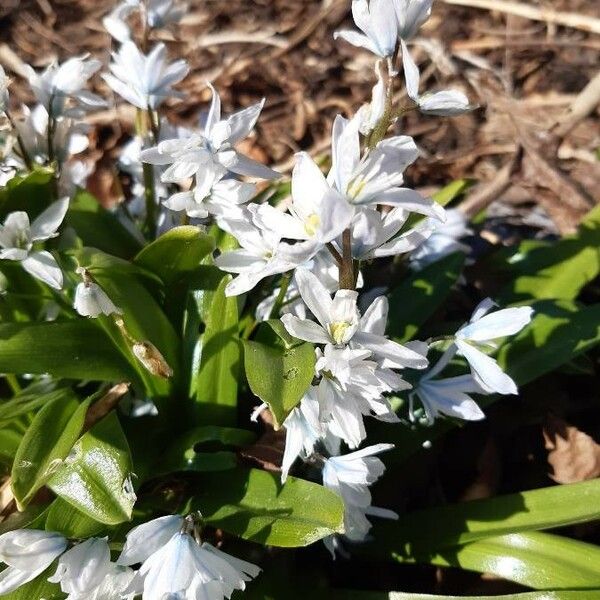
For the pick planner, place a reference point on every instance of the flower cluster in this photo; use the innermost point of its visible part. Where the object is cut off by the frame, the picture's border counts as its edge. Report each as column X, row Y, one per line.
column 312, row 247
column 173, row 563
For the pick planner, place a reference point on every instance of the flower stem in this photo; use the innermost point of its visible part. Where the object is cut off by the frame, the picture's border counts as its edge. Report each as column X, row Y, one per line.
column 347, row 278
column 285, row 283
column 141, row 126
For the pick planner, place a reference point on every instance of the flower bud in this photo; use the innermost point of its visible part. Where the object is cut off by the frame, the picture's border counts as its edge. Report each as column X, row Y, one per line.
column 149, row 355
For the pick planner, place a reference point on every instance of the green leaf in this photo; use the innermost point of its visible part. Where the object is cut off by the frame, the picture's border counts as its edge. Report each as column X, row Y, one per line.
column 558, row 332
column 76, row 349
column 176, row 253
column 201, row 449
column 545, row 595
column 96, row 477
column 46, row 444
column 32, row 517
column 554, row 270
column 278, row 375
column 419, row 295
column 446, row 526
column 10, row 439
column 27, row 401
column 215, row 385
column 100, row 228
column 70, row 522
column 537, row 560
column 254, row 505
column 31, row 193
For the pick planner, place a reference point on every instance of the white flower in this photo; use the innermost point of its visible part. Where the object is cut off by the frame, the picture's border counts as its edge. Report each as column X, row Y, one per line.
column 447, row 103
column 317, row 211
column 480, row 331
column 57, row 82
column 119, row 583
column 69, row 138
column 213, row 148
column 4, row 82
column 448, row 396
column 443, row 240
column 349, row 476
column 262, row 253
column 144, row 80
column 377, row 20
column 411, row 14
column 83, row 568
column 370, row 114
column 376, row 234
column 339, row 322
column 350, row 388
column 27, row 553
column 175, row 563
column 17, row 237
column 90, row 299
column 214, row 196
column 158, row 13
column 302, row 431
column 376, row 179
column 144, row 540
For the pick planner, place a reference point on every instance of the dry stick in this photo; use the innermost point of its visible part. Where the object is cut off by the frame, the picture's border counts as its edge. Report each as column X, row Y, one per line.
column 102, row 407
column 546, row 15
column 585, row 102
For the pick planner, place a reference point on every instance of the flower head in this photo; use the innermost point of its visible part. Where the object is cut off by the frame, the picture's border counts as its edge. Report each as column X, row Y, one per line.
column 144, row 80
column 481, row 330
column 17, row 237
column 90, row 299
column 27, row 553
column 377, row 21
column 58, row 82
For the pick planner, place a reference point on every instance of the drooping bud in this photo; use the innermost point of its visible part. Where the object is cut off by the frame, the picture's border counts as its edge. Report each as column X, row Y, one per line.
column 149, row 355
column 90, row 299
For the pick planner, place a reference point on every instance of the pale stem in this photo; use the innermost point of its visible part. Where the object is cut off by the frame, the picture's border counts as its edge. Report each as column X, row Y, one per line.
column 141, row 125
column 24, row 154
column 347, row 277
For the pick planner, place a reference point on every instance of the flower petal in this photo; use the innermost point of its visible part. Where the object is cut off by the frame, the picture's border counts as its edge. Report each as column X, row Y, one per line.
column 44, row 267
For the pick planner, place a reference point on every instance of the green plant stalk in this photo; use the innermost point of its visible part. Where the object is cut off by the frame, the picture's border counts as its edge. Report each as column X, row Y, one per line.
column 141, row 127
column 285, row 284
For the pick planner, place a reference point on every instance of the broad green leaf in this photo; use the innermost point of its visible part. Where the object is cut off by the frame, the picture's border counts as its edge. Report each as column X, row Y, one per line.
column 545, row 595
column 278, row 375
column 176, row 253
column 99, row 228
column 419, row 295
column 10, row 439
column 209, row 448
column 77, row 349
column 144, row 318
column 72, row 523
column 31, row 193
column 95, row 478
column 32, row 517
column 46, row 444
column 38, row 589
column 254, row 505
column 555, row 270
column 215, row 385
column 445, row 526
column 537, row 560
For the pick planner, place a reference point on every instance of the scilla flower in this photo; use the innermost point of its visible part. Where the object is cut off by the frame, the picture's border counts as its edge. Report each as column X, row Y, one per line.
column 411, row 14
column 27, row 553
column 17, row 237
column 447, row 103
column 90, row 299
column 175, row 562
column 339, row 323
column 479, row 332
column 350, row 476
column 83, row 568
column 144, row 80
column 377, row 20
